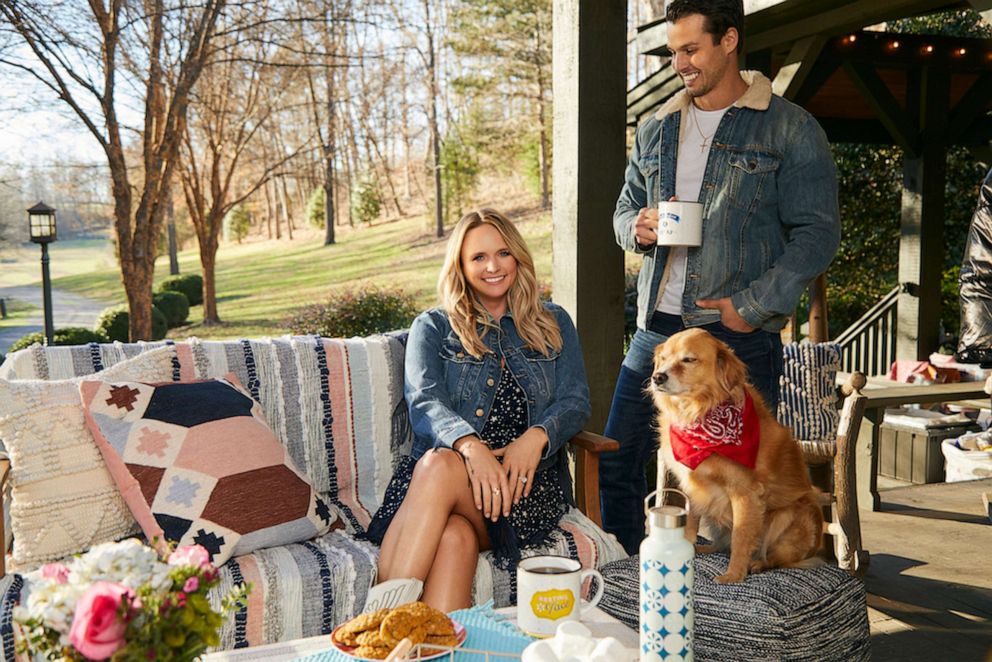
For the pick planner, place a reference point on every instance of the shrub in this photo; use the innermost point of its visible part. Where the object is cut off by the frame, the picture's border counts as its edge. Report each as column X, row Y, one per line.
column 113, row 323
column 366, row 201
column 237, row 223
column 174, row 305
column 315, row 208
column 189, row 284
column 70, row 335
column 356, row 313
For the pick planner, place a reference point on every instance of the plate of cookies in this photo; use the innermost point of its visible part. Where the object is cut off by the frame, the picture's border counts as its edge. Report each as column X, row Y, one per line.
column 373, row 635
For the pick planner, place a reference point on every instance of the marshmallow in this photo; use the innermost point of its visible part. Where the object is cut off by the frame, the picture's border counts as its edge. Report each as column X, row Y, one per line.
column 573, row 642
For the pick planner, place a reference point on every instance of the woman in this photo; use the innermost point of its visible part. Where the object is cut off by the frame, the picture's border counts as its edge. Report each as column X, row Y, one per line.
column 496, row 387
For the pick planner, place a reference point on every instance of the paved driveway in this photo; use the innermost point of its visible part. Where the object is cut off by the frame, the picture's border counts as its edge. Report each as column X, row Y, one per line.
column 67, row 310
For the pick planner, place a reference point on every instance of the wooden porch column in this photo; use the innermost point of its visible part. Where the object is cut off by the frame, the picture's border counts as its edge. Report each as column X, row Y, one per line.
column 589, row 86
column 921, row 242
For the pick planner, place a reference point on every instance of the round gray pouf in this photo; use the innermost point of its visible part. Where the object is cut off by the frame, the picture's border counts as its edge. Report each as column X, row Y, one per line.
column 790, row 614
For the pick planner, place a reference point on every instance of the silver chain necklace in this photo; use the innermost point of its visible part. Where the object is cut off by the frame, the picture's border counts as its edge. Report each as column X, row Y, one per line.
column 705, row 144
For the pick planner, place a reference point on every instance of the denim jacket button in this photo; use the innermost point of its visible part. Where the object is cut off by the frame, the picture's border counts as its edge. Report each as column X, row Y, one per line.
column 490, row 382
column 460, row 355
column 479, row 412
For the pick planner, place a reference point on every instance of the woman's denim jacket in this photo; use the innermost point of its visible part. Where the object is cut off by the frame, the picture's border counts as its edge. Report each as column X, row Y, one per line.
column 450, row 393
column 769, row 194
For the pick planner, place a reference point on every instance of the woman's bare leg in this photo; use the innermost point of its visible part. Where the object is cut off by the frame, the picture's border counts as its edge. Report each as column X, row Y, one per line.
column 439, row 488
column 449, row 583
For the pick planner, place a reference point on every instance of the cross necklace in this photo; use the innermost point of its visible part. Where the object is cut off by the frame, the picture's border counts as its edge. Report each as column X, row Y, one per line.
column 705, row 144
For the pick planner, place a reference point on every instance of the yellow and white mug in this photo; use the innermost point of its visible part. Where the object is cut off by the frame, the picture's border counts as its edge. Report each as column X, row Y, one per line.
column 549, row 592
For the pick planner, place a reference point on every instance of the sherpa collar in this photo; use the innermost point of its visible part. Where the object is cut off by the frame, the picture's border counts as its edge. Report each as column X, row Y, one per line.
column 757, row 97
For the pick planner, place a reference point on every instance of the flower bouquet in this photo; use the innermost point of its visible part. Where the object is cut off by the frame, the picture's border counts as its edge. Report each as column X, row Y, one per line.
column 122, row 601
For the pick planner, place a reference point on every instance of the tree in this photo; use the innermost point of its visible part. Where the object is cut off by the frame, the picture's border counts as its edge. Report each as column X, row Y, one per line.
column 423, row 40
column 157, row 53
column 228, row 112
column 323, row 88
column 509, row 44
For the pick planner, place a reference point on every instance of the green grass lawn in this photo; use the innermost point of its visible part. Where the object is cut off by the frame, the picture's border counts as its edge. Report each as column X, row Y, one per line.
column 22, row 264
column 261, row 283
column 17, row 313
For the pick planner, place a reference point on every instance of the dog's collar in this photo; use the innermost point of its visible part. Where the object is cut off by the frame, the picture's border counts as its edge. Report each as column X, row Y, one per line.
column 730, row 429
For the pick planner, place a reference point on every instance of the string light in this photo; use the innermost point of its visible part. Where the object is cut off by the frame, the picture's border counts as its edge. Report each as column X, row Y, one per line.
column 960, row 52
column 852, row 38
column 894, row 45
column 928, row 49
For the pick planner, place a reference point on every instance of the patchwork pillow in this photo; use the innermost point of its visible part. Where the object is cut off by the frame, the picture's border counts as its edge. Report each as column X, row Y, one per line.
column 197, row 464
column 63, row 499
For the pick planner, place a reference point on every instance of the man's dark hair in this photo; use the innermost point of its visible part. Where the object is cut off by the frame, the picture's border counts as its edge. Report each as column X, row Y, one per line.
column 720, row 15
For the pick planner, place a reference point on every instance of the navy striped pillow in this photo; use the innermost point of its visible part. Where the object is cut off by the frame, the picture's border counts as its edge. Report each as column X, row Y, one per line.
column 807, row 392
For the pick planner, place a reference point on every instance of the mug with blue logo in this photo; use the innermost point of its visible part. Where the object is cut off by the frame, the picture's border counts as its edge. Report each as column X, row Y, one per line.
column 680, row 223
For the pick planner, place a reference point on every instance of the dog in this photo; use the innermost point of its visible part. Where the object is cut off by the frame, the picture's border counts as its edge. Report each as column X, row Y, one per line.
column 742, row 471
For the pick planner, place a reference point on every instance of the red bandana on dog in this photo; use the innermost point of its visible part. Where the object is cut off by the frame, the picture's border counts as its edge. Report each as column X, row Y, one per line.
column 730, row 429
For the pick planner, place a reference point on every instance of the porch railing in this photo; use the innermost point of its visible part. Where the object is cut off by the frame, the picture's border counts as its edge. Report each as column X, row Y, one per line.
column 869, row 345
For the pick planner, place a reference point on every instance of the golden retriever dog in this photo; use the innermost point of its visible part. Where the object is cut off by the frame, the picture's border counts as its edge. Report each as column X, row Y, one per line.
column 768, row 513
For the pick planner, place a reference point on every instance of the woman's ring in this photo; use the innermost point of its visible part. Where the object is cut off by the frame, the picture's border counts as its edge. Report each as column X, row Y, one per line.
column 523, row 479
column 496, row 491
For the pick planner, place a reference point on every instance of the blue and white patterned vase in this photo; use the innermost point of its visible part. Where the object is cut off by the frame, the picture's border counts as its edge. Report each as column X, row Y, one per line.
column 666, row 588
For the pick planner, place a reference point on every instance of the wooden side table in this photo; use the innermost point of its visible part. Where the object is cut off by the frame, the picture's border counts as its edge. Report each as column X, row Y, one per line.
column 877, row 401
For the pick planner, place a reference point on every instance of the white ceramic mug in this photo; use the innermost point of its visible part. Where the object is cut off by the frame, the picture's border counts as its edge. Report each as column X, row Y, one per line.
column 680, row 223
column 549, row 592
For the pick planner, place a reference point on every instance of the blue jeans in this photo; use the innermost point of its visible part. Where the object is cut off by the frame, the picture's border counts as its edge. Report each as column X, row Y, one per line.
column 622, row 484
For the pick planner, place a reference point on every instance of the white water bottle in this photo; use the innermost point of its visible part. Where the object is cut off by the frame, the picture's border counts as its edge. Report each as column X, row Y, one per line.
column 666, row 585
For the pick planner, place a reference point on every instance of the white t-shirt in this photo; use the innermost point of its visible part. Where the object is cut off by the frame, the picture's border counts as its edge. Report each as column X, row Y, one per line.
column 700, row 127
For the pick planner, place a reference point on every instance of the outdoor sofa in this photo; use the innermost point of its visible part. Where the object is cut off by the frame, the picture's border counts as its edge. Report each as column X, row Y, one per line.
column 338, row 408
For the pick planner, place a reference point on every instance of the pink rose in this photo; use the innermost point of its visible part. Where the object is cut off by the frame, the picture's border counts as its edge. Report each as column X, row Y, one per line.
column 56, row 571
column 191, row 585
column 192, row 555
column 96, row 631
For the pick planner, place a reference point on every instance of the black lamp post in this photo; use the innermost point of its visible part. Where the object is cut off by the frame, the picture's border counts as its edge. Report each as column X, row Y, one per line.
column 41, row 222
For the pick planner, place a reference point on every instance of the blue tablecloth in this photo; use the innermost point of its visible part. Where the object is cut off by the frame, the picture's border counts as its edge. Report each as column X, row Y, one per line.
column 486, row 630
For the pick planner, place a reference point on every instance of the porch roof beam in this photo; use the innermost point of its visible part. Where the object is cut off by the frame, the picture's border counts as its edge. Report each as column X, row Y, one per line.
column 775, row 22
column 797, row 67
column 886, row 108
column 972, row 106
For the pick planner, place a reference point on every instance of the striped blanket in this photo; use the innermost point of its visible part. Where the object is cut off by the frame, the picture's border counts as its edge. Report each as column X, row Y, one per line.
column 338, row 407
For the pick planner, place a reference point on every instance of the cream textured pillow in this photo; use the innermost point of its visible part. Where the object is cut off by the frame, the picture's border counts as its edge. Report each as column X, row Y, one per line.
column 64, row 499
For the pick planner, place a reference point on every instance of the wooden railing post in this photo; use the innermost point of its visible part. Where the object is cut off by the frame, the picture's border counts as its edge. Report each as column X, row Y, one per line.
column 818, row 331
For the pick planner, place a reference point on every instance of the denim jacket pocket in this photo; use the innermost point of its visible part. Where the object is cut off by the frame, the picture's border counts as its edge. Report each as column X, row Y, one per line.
column 461, row 368
column 749, row 171
column 542, row 368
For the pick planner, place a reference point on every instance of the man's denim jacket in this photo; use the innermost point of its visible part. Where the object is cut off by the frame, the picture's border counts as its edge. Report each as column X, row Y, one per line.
column 769, row 194
column 450, row 393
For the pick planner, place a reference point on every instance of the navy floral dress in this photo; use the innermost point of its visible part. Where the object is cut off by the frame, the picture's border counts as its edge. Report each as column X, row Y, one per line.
column 532, row 520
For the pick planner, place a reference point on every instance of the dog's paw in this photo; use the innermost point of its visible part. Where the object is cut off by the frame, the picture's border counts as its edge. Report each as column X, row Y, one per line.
column 730, row 577
column 706, row 549
column 758, row 566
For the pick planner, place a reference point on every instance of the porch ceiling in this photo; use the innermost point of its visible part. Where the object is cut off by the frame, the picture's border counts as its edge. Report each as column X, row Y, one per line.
column 861, row 89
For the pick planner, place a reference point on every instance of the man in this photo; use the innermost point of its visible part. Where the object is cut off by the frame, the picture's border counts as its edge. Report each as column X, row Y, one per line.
column 762, row 169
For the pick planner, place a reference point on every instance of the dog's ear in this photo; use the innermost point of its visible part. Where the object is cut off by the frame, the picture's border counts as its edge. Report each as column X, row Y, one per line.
column 731, row 372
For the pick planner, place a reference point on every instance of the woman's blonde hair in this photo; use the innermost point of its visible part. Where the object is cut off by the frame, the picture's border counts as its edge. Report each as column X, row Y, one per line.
column 535, row 323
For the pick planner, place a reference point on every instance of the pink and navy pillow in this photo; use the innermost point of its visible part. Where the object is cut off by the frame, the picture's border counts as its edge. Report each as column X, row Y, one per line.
column 197, row 464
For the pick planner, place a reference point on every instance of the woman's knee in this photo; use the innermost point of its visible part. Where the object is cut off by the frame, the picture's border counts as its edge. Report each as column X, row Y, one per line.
column 459, row 536
column 435, row 476
column 439, row 464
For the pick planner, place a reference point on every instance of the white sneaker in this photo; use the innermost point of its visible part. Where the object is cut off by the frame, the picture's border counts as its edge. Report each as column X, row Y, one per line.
column 393, row 593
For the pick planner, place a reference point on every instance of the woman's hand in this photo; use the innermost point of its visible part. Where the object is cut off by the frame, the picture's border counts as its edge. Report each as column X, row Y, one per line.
column 520, row 460
column 489, row 485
